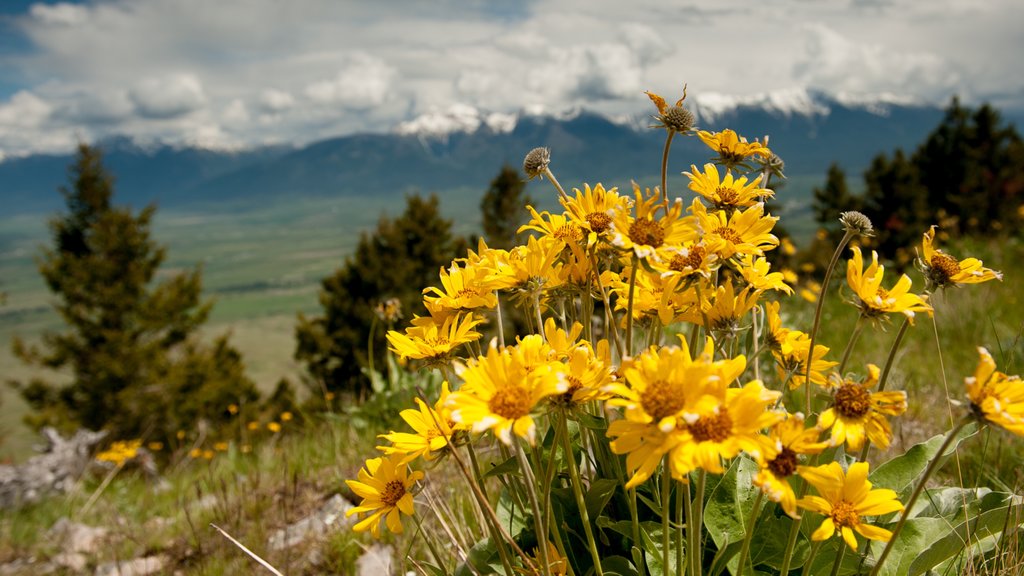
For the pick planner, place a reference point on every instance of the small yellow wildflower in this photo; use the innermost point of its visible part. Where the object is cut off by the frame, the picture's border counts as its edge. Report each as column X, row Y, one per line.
column 726, row 193
column 432, row 340
column 996, row 397
column 120, row 452
column 941, row 269
column 875, row 301
column 856, row 412
column 274, row 427
column 846, row 498
column 385, row 485
column 732, row 149
column 789, row 439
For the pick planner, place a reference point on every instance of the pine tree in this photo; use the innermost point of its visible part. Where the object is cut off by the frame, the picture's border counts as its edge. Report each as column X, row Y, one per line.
column 131, row 346
column 504, row 208
column 832, row 200
column 396, row 261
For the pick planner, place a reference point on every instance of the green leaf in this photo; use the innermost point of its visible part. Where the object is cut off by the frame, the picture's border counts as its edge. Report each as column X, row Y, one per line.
column 650, row 533
column 601, row 491
column 917, row 534
column 590, row 421
column 512, row 519
column 727, row 511
column 479, row 560
column 901, row 473
column 618, row 566
column 510, row 466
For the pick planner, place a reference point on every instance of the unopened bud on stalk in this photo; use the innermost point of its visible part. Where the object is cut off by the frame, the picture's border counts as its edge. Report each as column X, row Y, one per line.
column 854, row 221
column 773, row 164
column 536, row 162
column 677, row 119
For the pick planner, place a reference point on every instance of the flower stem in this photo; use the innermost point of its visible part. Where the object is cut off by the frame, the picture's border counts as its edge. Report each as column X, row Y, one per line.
column 577, row 490
column 629, row 307
column 810, row 557
column 854, row 336
column 664, row 167
column 501, row 325
column 817, row 312
column 551, row 176
column 884, row 378
column 698, row 514
column 787, row 556
column 917, row 492
column 666, row 524
column 745, row 549
column 538, row 520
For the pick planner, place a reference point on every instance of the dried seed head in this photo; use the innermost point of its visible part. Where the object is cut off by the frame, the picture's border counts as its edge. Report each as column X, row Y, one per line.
column 536, row 162
column 678, row 119
column 854, row 221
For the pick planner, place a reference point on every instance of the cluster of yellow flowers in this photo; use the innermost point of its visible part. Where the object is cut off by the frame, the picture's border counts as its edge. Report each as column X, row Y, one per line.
column 120, row 452
column 603, row 284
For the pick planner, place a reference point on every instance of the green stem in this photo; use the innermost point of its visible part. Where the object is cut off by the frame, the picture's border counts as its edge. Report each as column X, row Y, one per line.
column 691, row 531
column 839, row 560
column 554, row 181
column 680, row 522
column 501, row 325
column 540, row 319
column 538, row 520
column 609, row 313
column 499, row 543
column 817, row 312
column 696, row 556
column 917, row 492
column 810, row 557
column 577, row 490
column 629, row 307
column 745, row 549
column 666, row 523
column 664, row 167
column 433, row 549
column 884, row 378
column 854, row 336
column 787, row 556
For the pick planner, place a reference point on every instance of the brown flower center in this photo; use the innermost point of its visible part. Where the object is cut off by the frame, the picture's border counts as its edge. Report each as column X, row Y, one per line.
column 647, row 232
column 661, row 400
column 852, row 401
column 392, row 493
column 713, row 427
column 467, row 293
column 599, row 221
column 569, row 233
column 783, row 465
column 436, row 342
column 844, row 514
column 692, row 261
column 943, row 268
column 510, row 402
column 728, row 234
column 727, row 196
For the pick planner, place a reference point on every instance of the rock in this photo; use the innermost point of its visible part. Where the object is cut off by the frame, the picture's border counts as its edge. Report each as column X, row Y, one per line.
column 330, row 514
column 76, row 538
column 135, row 567
column 72, row 561
column 54, row 471
column 375, row 561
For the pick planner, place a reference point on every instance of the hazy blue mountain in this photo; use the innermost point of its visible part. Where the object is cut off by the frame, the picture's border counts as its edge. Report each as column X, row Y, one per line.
column 464, row 149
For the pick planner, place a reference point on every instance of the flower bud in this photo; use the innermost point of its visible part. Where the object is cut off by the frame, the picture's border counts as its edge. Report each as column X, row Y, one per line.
column 536, row 162
column 854, row 221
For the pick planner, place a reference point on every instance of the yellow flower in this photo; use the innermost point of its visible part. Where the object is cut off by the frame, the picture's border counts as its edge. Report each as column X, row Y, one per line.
column 385, row 485
column 726, row 309
column 586, row 378
column 941, row 269
column 857, row 413
column 756, row 270
column 594, row 209
column 286, row 416
column 221, row 446
column 232, row 409
column 732, row 149
column 557, row 226
column 528, row 269
column 434, row 342
column 562, row 343
column 461, row 289
column 557, row 565
column 789, row 438
column 253, row 426
column 155, row 446
column 120, row 452
column 846, row 498
column 776, row 334
column 499, row 394
column 690, row 258
column 434, row 428
column 792, row 358
column 746, row 232
column 645, row 234
column 727, row 193
column 195, row 453
column 995, row 396
column 673, row 118
column 273, row 427
column 875, row 301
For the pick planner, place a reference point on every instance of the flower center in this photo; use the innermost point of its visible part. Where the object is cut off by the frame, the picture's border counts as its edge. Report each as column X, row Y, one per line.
column 569, row 233
column 647, row 232
column 713, row 427
column 510, row 402
column 783, row 465
column 943, row 268
column 436, row 342
column 728, row 234
column 692, row 261
column 852, row 401
column 467, row 293
column 392, row 493
column 599, row 221
column 661, row 400
column 727, row 196
column 844, row 514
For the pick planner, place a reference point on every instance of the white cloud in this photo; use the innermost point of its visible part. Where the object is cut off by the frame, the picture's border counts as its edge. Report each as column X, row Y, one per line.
column 275, row 101
column 61, row 14
column 168, row 96
column 23, row 110
column 364, row 81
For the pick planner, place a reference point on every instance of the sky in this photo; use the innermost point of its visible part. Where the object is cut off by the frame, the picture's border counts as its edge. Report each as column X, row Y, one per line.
column 231, row 74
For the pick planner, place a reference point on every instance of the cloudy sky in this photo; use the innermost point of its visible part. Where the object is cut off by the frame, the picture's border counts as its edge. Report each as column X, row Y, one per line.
column 236, row 73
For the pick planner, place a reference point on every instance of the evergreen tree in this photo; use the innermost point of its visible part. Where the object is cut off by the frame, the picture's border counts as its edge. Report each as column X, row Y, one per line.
column 897, row 205
column 504, row 208
column 396, row 261
column 131, row 345
column 832, row 200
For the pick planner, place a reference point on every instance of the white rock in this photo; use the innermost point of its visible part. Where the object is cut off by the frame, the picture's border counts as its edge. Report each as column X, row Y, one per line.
column 332, row 513
column 134, row 567
column 376, row 561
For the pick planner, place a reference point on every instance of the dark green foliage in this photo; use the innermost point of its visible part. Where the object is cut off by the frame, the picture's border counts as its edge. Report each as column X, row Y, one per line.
column 131, row 348
column 400, row 258
column 967, row 177
column 504, row 208
column 832, row 200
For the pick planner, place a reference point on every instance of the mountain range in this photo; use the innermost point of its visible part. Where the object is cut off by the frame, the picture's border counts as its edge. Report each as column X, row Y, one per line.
column 464, row 148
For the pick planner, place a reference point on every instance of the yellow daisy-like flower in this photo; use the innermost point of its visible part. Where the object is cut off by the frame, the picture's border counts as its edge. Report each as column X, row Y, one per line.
column 429, row 340
column 593, row 209
column 645, row 234
column 120, row 452
column 557, row 226
column 788, row 439
column 996, row 397
column 756, row 270
column 557, row 565
column 691, row 258
column 856, row 412
column 875, row 301
column 714, row 432
column 433, row 426
column 562, row 343
column 586, row 378
column 385, row 485
column 725, row 309
column 775, row 335
column 846, row 498
column 792, row 356
column 462, row 289
column 732, row 149
column 746, row 232
column 529, row 268
column 499, row 394
column 941, row 269
column 727, row 193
